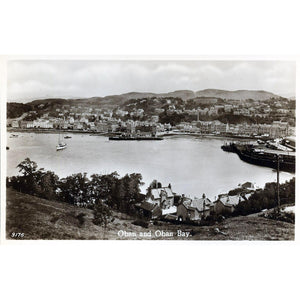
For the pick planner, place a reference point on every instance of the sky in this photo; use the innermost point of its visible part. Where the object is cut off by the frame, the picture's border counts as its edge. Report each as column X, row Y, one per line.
column 36, row 79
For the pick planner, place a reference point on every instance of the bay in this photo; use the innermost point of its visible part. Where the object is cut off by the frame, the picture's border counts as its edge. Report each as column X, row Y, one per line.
column 192, row 165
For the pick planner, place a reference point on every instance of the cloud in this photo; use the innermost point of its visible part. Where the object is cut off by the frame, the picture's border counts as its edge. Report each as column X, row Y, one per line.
column 33, row 79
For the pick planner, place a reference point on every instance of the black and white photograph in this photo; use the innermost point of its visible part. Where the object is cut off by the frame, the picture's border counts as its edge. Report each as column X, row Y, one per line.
column 150, row 149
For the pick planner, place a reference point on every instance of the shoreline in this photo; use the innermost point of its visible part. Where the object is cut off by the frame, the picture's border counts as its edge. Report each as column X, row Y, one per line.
column 169, row 138
column 181, row 134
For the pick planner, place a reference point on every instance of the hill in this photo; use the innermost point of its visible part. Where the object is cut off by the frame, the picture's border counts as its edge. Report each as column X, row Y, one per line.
column 237, row 95
column 43, row 219
column 183, row 94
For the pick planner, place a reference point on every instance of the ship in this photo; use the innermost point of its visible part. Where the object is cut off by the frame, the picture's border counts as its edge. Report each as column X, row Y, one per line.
column 134, row 138
column 272, row 159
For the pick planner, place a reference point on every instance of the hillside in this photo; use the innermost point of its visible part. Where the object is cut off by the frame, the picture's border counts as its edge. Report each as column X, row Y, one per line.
column 207, row 96
column 42, row 219
column 183, row 94
column 237, row 95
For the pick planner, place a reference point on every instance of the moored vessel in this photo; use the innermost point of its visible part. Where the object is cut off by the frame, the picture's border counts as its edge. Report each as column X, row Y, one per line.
column 261, row 157
column 61, row 146
column 134, row 138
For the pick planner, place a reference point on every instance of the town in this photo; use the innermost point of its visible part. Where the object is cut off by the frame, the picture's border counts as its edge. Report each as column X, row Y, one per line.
column 271, row 118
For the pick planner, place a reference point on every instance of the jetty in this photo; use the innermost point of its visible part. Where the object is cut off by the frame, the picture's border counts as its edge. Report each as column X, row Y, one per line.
column 263, row 156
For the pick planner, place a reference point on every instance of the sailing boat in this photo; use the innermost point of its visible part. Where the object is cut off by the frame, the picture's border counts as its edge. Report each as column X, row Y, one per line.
column 61, row 145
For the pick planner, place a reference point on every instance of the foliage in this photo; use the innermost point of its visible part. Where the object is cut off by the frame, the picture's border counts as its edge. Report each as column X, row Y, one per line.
column 75, row 189
column 15, row 110
column 153, row 185
column 101, row 186
column 175, row 118
column 237, row 191
column 118, row 193
column 283, row 216
column 32, row 179
column 267, row 198
column 102, row 214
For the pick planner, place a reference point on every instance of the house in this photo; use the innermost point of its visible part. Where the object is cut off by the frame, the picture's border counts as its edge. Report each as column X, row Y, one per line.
column 226, row 204
column 163, row 197
column 221, row 206
column 248, row 185
column 195, row 209
column 15, row 124
column 148, row 210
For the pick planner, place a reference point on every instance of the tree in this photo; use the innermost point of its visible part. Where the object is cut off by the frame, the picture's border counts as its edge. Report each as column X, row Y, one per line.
column 75, row 189
column 101, row 186
column 27, row 167
column 49, row 185
column 29, row 182
column 129, row 191
column 102, row 214
column 153, row 185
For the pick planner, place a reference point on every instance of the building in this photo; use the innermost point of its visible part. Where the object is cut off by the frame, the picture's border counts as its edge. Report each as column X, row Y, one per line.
column 101, row 127
column 222, row 206
column 163, row 197
column 130, row 127
column 155, row 119
column 15, row 124
column 148, row 210
column 77, row 125
column 228, row 108
column 248, row 185
column 194, row 210
column 145, row 130
column 226, row 204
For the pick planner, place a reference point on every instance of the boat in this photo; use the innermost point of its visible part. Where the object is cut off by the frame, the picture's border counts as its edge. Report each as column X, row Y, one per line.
column 134, row 138
column 67, row 137
column 247, row 153
column 61, row 145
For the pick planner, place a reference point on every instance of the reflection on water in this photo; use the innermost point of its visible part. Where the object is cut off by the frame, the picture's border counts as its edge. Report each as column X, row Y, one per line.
column 193, row 166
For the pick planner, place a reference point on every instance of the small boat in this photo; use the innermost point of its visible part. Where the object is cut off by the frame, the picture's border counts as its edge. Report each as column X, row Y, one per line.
column 67, row 137
column 61, row 145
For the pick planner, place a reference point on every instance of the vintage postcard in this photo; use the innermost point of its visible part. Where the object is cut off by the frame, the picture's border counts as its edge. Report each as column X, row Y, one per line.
column 150, row 149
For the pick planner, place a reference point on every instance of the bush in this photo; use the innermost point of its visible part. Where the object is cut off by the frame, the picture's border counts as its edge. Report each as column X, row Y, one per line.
column 288, row 217
column 237, row 191
column 267, row 198
column 102, row 213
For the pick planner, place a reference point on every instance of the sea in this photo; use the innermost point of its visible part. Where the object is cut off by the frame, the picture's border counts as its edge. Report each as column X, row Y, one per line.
column 192, row 165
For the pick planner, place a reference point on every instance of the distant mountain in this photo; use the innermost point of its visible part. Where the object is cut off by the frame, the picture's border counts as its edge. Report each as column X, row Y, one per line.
column 183, row 94
column 237, row 95
column 113, row 100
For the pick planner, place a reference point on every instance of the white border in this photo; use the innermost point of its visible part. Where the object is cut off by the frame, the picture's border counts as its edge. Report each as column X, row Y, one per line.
column 209, row 269
column 5, row 59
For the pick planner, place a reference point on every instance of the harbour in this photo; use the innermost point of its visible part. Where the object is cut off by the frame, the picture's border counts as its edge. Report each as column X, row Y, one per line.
column 193, row 165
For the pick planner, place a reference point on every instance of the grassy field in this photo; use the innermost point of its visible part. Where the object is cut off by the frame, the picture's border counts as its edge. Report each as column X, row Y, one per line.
column 43, row 219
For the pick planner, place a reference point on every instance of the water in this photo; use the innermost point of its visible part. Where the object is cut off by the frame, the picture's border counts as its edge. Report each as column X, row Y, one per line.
column 192, row 165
